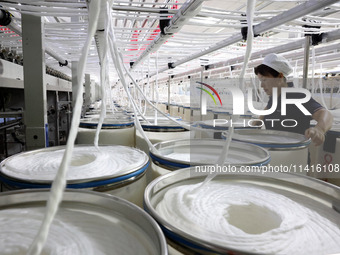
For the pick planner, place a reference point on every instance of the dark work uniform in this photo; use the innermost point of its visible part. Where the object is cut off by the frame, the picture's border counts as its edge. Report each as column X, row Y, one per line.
column 292, row 112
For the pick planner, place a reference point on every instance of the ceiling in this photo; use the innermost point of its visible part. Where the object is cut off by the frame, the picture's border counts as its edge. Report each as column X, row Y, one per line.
column 136, row 27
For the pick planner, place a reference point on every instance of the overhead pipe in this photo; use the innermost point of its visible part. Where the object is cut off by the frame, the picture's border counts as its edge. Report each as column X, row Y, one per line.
column 284, row 17
column 326, row 37
column 10, row 125
column 189, row 9
column 140, row 9
column 334, row 57
column 6, row 20
column 294, row 55
column 308, row 42
column 325, row 59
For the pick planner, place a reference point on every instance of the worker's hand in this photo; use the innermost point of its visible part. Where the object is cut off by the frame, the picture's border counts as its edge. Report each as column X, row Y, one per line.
column 316, row 134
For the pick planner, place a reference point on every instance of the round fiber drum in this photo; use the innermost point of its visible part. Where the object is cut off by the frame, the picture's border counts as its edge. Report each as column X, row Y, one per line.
column 181, row 111
column 286, row 148
column 117, row 131
column 209, row 115
column 237, row 213
column 221, row 114
column 165, row 130
column 174, row 110
column 173, row 155
column 196, row 114
column 327, row 165
column 327, row 156
column 86, row 223
column 122, row 115
column 213, row 128
column 162, row 106
column 186, row 113
column 117, row 170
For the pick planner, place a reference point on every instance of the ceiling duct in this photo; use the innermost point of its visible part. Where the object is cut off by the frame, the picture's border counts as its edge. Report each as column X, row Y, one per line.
column 6, row 20
column 187, row 11
column 284, row 17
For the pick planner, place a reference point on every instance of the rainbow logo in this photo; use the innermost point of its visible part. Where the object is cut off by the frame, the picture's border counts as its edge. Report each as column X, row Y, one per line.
column 212, row 89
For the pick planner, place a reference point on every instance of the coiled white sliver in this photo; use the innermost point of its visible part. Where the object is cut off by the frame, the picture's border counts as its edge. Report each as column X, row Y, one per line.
column 87, row 163
column 75, row 231
column 250, row 218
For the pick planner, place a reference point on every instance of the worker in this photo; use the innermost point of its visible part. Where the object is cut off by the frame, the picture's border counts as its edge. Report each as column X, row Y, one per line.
column 273, row 73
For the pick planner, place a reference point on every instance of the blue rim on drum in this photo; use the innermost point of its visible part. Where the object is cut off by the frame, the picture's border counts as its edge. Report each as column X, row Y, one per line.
column 108, row 123
column 163, row 126
column 194, row 240
column 92, row 214
column 209, row 124
column 177, row 154
column 15, row 177
column 276, row 140
column 91, row 184
column 221, row 112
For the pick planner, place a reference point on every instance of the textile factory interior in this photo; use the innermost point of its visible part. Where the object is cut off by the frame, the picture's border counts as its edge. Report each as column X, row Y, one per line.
column 178, row 127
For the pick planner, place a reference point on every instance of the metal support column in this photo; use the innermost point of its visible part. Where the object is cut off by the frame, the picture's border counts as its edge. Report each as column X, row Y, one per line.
column 74, row 81
column 34, row 85
column 203, row 99
column 88, row 91
column 169, row 82
column 57, row 112
column 69, row 114
column 306, row 61
column 97, row 92
column 92, row 91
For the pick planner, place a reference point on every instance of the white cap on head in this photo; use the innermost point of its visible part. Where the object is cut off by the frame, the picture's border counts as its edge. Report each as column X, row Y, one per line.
column 278, row 63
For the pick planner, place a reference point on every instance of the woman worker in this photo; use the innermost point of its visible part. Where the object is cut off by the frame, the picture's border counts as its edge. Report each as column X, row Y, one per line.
column 272, row 73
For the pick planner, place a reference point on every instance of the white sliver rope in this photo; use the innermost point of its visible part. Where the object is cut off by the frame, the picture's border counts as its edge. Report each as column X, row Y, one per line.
column 225, row 150
column 59, row 182
column 157, row 88
column 321, row 87
column 151, row 104
column 250, row 37
column 116, row 57
column 103, row 82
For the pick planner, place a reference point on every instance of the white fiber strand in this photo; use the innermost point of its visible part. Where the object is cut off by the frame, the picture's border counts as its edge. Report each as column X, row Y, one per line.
column 250, row 36
column 118, row 65
column 59, row 182
column 156, row 89
column 321, row 89
column 103, row 81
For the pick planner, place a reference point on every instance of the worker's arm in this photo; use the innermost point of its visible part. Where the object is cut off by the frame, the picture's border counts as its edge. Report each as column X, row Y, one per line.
column 324, row 122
